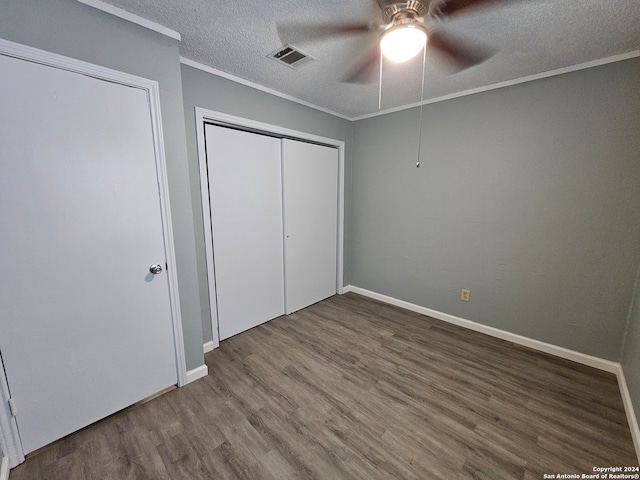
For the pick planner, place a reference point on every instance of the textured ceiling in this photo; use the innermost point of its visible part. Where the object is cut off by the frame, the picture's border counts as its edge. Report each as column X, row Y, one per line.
column 531, row 37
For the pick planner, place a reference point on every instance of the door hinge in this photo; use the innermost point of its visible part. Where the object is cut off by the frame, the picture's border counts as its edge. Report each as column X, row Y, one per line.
column 13, row 407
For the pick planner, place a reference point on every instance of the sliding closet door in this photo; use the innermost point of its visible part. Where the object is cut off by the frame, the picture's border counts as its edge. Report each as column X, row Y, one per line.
column 310, row 177
column 245, row 194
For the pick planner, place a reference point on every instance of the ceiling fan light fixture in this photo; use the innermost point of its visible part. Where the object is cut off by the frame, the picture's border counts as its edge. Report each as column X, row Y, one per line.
column 403, row 42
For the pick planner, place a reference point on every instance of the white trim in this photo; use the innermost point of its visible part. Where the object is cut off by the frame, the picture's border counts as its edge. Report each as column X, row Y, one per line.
column 17, row 50
column 208, row 236
column 208, row 347
column 4, row 469
column 632, row 307
column 131, row 17
column 151, row 87
column 197, row 373
column 473, row 91
column 247, row 83
column 508, row 83
column 599, row 363
column 203, row 115
column 628, row 408
column 167, row 230
column 10, row 444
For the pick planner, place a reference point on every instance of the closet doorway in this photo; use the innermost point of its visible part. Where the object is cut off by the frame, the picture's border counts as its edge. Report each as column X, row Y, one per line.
column 272, row 210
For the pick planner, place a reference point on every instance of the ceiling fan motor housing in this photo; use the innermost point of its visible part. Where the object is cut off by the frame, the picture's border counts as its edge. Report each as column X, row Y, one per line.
column 394, row 11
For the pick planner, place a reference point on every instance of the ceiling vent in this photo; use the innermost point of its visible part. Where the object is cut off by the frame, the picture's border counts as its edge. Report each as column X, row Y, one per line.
column 290, row 56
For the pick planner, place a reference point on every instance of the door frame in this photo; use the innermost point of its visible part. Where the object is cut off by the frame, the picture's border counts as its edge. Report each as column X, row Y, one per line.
column 11, row 49
column 10, row 445
column 203, row 116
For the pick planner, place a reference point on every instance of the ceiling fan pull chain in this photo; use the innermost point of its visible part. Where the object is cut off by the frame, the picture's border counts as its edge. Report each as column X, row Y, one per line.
column 424, row 61
column 380, row 83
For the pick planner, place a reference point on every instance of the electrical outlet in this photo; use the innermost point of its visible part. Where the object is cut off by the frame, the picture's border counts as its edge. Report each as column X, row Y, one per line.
column 464, row 295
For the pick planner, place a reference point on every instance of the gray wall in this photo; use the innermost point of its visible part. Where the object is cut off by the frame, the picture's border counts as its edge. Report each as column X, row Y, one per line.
column 76, row 30
column 631, row 352
column 204, row 90
column 529, row 196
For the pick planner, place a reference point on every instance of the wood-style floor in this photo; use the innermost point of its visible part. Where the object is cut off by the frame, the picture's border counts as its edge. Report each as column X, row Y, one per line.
column 355, row 389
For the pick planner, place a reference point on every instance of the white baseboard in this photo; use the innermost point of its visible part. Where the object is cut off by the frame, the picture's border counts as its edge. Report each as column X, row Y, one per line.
column 628, row 408
column 4, row 469
column 208, row 346
column 599, row 363
column 196, row 373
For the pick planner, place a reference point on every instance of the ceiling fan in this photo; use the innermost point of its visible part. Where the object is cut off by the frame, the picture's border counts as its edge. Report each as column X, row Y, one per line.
column 407, row 27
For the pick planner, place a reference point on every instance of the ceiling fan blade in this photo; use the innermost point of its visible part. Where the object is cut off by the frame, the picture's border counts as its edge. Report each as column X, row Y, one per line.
column 451, row 7
column 460, row 54
column 367, row 70
column 294, row 33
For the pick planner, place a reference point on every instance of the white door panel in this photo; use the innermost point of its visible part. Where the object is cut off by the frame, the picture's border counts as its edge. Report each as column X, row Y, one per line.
column 86, row 329
column 246, row 213
column 310, row 178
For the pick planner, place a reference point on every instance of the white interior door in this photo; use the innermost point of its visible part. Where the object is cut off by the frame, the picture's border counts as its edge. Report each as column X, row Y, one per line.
column 86, row 328
column 245, row 195
column 310, row 177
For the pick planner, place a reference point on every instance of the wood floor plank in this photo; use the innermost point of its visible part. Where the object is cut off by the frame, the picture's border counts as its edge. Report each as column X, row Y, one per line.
column 351, row 388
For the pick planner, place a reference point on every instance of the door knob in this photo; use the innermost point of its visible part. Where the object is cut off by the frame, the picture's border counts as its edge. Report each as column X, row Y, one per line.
column 155, row 269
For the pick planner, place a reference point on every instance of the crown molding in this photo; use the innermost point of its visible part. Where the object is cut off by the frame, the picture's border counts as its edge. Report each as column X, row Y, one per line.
column 473, row 91
column 508, row 83
column 143, row 22
column 247, row 83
